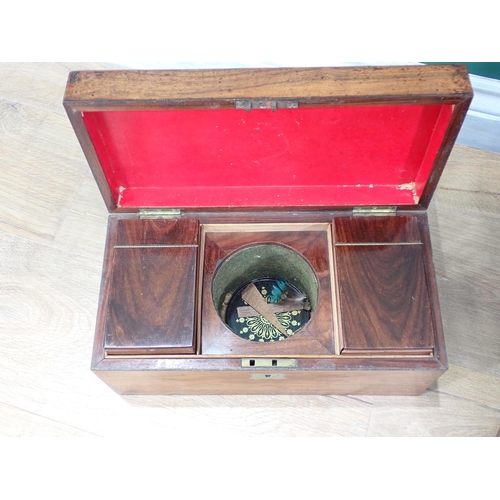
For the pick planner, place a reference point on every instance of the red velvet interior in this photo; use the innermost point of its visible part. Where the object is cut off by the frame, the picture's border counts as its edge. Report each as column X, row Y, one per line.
column 332, row 156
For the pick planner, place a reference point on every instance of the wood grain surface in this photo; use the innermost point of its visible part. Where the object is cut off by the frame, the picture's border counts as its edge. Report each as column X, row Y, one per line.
column 149, row 294
column 52, row 232
column 278, row 83
column 384, row 288
column 358, row 230
column 317, row 337
column 384, row 299
column 151, row 303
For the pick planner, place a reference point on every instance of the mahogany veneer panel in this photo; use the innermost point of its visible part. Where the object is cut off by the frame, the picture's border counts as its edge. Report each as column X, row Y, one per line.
column 360, row 84
column 317, row 337
column 392, row 229
column 156, row 232
column 384, row 299
column 351, row 381
column 384, row 294
column 150, row 300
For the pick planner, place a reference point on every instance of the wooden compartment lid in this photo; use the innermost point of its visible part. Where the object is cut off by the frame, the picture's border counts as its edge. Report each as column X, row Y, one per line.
column 268, row 138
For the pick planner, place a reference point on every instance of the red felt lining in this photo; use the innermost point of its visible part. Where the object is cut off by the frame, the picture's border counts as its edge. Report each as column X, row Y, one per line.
column 331, row 156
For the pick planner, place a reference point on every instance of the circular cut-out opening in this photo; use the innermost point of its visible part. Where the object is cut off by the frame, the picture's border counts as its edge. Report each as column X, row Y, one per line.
column 284, row 279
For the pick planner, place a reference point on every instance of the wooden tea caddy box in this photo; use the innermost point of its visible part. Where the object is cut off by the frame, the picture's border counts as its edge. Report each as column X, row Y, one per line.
column 320, row 177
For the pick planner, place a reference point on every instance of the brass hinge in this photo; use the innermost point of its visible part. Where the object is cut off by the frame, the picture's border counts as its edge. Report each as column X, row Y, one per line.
column 159, row 213
column 263, row 104
column 373, row 211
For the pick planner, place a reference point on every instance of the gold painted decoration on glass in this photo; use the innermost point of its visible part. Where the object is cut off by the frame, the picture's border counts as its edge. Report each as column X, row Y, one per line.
column 265, row 292
column 292, row 310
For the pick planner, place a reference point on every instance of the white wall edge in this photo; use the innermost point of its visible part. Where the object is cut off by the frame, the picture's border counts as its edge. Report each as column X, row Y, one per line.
column 486, row 101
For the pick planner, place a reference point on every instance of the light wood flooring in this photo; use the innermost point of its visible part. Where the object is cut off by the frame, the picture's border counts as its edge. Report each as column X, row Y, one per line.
column 52, row 230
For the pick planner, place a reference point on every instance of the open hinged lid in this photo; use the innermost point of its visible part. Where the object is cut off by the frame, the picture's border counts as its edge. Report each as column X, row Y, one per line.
column 268, row 138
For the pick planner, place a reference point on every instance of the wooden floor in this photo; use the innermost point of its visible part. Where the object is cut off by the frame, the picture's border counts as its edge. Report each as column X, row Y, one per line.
column 52, row 230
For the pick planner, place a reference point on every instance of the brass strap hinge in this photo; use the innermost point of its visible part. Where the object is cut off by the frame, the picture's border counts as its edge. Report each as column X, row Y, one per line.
column 159, row 213
column 373, row 211
column 263, row 104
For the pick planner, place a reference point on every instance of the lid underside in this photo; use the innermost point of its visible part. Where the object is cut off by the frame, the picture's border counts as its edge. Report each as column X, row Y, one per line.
column 310, row 156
